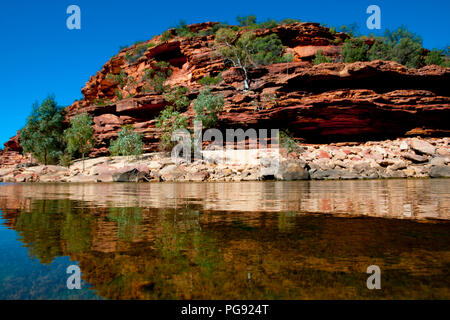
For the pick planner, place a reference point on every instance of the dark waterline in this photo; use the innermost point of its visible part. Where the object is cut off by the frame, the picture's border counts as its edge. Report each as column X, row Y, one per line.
column 246, row 240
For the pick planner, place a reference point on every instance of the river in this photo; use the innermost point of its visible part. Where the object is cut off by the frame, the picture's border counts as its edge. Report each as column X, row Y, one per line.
column 243, row 240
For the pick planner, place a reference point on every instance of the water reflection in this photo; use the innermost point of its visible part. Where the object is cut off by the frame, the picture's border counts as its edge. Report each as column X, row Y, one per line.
column 241, row 240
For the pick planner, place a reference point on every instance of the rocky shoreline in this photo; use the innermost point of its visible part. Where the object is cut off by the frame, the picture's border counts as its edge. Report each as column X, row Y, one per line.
column 400, row 158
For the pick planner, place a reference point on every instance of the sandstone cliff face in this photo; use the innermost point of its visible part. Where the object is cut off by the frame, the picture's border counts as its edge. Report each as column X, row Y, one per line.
column 317, row 103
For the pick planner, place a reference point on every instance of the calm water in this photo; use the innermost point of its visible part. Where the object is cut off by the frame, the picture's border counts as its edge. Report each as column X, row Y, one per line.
column 246, row 240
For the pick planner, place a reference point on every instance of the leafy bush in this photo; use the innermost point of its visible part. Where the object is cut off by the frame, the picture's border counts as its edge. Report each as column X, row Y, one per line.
column 287, row 142
column 182, row 30
column 42, row 135
column 208, row 80
column 80, row 136
column 158, row 75
column 320, row 58
column 289, row 21
column 206, row 107
column 354, row 50
column 133, row 56
column 178, row 98
column 120, row 79
column 127, row 143
column 166, row 35
column 437, row 57
column 169, row 121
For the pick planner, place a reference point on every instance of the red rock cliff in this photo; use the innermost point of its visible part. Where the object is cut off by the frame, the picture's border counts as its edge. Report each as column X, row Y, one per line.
column 318, row 103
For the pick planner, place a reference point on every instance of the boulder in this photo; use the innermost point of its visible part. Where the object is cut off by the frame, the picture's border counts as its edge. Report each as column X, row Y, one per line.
column 422, row 146
column 440, row 172
column 133, row 175
column 291, row 170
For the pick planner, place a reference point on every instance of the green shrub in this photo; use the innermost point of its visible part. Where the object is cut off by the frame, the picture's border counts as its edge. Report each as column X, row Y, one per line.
column 120, row 79
column 289, row 21
column 158, row 75
column 354, row 50
column 127, row 143
column 320, row 58
column 118, row 94
column 178, row 98
column 209, row 81
column 287, row 142
column 206, row 107
column 380, row 50
column 166, row 35
column 182, row 30
column 437, row 57
column 134, row 55
column 42, row 135
column 169, row 121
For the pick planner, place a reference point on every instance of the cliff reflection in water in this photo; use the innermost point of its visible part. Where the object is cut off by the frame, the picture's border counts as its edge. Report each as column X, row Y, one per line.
column 251, row 240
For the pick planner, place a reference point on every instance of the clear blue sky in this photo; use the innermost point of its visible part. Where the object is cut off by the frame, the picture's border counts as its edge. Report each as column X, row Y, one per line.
column 39, row 55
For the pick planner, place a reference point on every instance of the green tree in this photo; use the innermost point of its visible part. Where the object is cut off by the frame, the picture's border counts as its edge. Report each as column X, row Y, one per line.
column 206, row 107
column 127, row 143
column 320, row 58
column 247, row 51
column 42, row 135
column 80, row 136
column 169, row 121
column 246, row 21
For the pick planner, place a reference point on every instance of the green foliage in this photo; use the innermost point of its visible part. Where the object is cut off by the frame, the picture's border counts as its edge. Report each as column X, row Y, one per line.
column 206, row 107
column 380, row 50
column 405, row 47
column 182, row 30
column 65, row 159
column 42, row 135
column 166, row 35
column 158, row 75
column 80, row 136
column 118, row 94
column 214, row 29
column 352, row 29
column 209, row 81
column 246, row 51
column 289, row 21
column 287, row 142
column 265, row 50
column 127, row 143
column 320, row 58
column 354, row 50
column 437, row 57
column 134, row 55
column 246, row 21
column 169, row 121
column 178, row 98
column 120, row 79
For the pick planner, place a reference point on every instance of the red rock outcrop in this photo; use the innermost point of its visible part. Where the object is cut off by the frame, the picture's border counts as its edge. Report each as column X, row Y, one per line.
column 319, row 103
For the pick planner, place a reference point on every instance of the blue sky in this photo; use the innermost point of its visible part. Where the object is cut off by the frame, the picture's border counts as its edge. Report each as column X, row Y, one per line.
column 40, row 55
